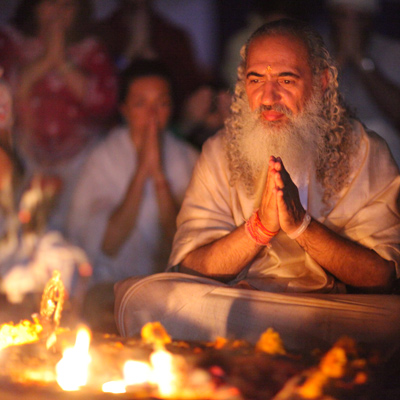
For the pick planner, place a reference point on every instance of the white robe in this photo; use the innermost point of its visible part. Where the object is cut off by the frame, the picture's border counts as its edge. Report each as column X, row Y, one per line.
column 102, row 186
column 366, row 212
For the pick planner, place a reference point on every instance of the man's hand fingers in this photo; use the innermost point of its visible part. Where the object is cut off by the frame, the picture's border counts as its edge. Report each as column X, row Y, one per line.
column 290, row 210
column 268, row 210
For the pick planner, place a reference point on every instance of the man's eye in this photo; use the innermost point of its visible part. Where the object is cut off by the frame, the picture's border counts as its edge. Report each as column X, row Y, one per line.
column 286, row 81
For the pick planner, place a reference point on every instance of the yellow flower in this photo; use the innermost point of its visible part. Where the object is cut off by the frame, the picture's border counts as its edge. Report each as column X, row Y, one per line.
column 270, row 342
column 334, row 362
column 312, row 388
column 155, row 333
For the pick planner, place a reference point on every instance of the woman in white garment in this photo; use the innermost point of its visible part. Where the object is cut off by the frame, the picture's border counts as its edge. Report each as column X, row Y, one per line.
column 125, row 205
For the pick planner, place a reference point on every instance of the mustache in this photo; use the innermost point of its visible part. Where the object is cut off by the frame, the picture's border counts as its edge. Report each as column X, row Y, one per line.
column 274, row 107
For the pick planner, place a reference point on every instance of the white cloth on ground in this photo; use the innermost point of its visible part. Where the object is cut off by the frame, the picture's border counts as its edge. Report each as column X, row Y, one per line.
column 101, row 187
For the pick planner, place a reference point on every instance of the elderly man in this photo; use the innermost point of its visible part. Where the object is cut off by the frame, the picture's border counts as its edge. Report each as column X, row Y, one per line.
column 293, row 196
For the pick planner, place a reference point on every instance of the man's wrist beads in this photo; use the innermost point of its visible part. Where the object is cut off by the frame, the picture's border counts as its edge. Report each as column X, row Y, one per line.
column 257, row 231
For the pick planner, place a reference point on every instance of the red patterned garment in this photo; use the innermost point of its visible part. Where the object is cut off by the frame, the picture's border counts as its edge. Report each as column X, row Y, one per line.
column 53, row 125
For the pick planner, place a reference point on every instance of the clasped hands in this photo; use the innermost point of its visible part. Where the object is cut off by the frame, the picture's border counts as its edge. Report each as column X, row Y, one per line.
column 149, row 150
column 280, row 206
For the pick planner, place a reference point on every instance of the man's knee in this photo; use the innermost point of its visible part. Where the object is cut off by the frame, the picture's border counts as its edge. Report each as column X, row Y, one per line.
column 139, row 300
column 158, row 297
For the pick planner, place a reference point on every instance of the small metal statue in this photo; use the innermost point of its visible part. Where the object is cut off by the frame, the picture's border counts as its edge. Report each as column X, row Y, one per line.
column 52, row 305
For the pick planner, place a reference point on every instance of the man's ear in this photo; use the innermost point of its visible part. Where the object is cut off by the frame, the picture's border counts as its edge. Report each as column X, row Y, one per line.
column 324, row 79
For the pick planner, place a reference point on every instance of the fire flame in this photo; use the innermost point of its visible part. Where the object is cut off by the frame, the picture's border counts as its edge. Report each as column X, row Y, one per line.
column 24, row 332
column 72, row 369
column 160, row 372
column 164, row 375
column 27, row 331
column 135, row 373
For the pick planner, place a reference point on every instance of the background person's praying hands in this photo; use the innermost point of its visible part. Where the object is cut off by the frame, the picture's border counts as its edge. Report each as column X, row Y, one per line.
column 149, row 155
column 55, row 21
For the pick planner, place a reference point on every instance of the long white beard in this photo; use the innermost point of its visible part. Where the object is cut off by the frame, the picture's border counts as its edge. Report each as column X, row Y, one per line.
column 298, row 142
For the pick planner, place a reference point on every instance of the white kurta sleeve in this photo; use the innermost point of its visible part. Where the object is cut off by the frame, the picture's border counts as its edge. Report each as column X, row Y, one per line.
column 206, row 213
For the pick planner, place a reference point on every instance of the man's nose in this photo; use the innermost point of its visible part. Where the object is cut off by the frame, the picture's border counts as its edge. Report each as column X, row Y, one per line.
column 270, row 93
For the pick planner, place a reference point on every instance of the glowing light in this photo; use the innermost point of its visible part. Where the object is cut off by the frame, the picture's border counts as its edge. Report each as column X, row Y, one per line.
column 160, row 373
column 72, row 369
column 114, row 387
column 24, row 332
column 136, row 372
column 163, row 374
